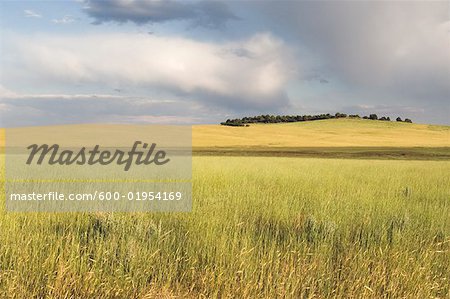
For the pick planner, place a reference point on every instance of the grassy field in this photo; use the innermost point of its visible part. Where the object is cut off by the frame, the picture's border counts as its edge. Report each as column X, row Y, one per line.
column 334, row 133
column 261, row 227
column 338, row 138
column 323, row 133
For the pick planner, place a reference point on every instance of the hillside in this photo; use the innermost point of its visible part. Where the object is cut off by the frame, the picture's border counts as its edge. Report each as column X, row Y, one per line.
column 336, row 138
column 324, row 133
column 349, row 138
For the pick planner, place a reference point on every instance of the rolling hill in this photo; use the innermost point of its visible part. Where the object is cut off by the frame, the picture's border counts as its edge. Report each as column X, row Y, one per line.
column 323, row 133
column 327, row 138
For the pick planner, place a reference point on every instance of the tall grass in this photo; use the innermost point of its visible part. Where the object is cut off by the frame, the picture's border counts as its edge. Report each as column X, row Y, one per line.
column 260, row 227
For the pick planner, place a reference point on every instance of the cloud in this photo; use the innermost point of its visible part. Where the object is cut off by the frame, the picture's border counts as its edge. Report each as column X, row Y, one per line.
column 67, row 19
column 419, row 114
column 214, row 73
column 6, row 93
column 41, row 109
column 31, row 14
column 381, row 54
column 209, row 14
column 316, row 77
column 401, row 49
column 386, row 110
column 160, row 119
column 4, row 108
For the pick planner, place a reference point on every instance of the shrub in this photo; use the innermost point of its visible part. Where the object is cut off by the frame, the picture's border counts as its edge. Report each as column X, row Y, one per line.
column 340, row 115
column 268, row 119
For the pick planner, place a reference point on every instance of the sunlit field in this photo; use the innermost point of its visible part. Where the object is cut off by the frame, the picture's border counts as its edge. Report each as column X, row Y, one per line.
column 209, row 149
column 320, row 133
column 324, row 133
column 260, row 227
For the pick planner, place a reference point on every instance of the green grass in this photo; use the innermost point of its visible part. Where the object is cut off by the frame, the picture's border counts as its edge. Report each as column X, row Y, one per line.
column 260, row 227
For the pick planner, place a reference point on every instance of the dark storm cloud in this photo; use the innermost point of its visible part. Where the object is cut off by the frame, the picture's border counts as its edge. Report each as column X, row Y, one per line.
column 397, row 50
column 209, row 14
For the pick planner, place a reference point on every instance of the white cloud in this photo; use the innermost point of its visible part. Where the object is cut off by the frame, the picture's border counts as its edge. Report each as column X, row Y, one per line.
column 67, row 19
column 4, row 107
column 176, row 64
column 16, row 96
column 6, row 93
column 160, row 119
column 31, row 14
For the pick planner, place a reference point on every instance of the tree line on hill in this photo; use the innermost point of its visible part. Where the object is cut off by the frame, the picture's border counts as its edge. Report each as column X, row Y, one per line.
column 271, row 119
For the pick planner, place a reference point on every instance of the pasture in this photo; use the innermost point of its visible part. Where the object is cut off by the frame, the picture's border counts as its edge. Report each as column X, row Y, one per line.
column 261, row 227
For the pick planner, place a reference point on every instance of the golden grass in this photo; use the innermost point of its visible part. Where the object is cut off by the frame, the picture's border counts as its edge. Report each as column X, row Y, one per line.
column 260, row 228
column 323, row 133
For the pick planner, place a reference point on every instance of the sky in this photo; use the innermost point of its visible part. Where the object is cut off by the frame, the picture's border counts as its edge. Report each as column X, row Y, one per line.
column 196, row 62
